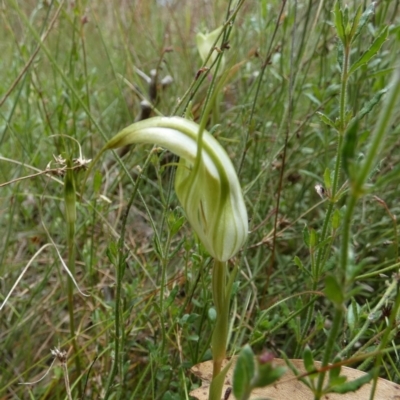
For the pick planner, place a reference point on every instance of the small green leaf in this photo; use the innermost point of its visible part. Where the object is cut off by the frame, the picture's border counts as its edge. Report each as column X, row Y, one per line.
column 243, row 372
column 372, row 51
column 346, row 20
column 308, row 360
column 112, row 253
column 339, row 380
column 334, row 372
column 338, row 21
column 175, row 223
column 323, row 243
column 327, row 179
column 333, row 291
column 352, row 386
column 364, row 19
column 356, row 21
column 312, row 98
column 298, row 262
column 326, row 120
column 352, row 315
column 171, row 297
column 267, row 375
column 370, row 104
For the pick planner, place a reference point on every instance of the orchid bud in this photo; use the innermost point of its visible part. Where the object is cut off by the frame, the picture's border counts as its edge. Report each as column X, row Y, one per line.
column 208, row 189
column 204, row 44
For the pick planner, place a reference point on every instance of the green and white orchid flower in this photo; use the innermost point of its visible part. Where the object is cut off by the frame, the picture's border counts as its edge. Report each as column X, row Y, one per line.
column 206, row 182
column 204, row 44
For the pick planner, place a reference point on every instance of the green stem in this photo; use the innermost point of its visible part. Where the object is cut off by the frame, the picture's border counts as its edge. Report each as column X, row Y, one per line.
column 342, row 127
column 221, row 301
column 70, row 288
column 337, row 320
column 334, row 332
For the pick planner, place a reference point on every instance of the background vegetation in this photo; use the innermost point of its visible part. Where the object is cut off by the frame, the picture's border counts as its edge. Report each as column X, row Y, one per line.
column 75, row 70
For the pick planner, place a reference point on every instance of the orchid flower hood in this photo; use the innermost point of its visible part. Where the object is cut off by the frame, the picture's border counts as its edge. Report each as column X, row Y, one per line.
column 206, row 183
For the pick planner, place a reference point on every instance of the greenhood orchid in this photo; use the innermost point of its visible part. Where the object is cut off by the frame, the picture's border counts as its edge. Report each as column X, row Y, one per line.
column 206, row 183
column 204, row 44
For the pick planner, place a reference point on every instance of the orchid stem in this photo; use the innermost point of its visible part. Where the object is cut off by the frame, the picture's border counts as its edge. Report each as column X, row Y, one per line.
column 221, row 301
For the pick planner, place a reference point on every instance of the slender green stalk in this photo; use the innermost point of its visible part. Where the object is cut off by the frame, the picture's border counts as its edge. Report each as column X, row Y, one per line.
column 70, row 217
column 342, row 127
column 330, row 344
column 221, row 301
column 71, row 305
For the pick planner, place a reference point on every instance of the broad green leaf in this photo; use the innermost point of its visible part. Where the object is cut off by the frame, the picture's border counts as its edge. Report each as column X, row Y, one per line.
column 333, row 290
column 372, row 51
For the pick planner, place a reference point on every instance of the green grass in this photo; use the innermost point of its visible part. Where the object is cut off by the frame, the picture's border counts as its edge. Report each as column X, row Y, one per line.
column 76, row 86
